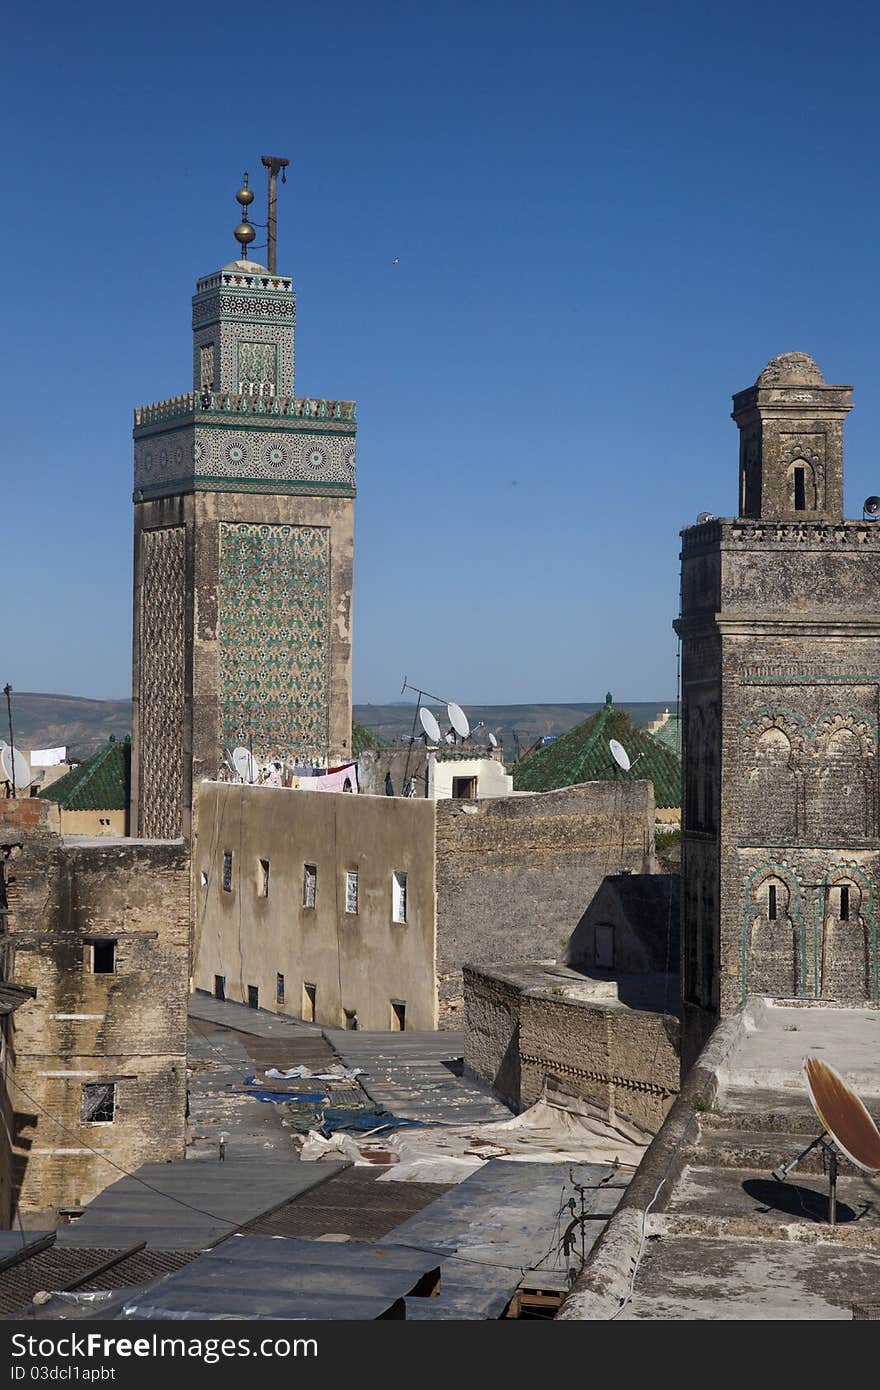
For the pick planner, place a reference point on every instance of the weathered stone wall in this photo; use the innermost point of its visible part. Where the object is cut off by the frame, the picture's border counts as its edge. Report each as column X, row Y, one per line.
column 357, row 962
column 127, row 1027
column 524, row 1022
column 515, row 875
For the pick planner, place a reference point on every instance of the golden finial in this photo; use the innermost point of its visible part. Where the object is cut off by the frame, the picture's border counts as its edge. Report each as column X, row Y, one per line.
column 244, row 233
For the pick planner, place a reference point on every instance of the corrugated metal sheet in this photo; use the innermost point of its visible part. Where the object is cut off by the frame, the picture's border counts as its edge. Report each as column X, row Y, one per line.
column 352, row 1204
column 258, row 1277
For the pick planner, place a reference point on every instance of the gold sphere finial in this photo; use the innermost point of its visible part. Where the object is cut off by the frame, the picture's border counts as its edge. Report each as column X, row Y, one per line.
column 244, row 233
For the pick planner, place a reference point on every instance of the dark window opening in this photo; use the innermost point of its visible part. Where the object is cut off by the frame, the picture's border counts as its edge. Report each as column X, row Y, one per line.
column 464, row 788
column 253, row 997
column 800, row 495
column 219, row 986
column 310, row 885
column 771, row 902
column 264, row 878
column 351, row 1019
column 310, row 996
column 398, row 1015
column 98, row 1103
column 103, row 957
column 279, row 989
column 844, row 903
column 227, row 870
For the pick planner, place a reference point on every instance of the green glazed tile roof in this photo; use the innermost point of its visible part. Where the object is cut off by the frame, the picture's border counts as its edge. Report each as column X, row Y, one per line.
column 101, row 783
column 361, row 738
column 669, row 734
column 582, row 755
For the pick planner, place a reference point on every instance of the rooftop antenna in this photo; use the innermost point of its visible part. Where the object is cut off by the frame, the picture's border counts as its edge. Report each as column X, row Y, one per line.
column 458, row 720
column 430, row 725
column 846, row 1125
column 273, row 165
column 244, row 233
column 871, row 509
column 7, row 691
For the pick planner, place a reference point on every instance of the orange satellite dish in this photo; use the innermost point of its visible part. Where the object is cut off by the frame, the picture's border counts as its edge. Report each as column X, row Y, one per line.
column 843, row 1115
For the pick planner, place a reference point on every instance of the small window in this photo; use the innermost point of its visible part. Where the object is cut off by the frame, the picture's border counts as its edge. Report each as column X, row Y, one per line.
column 279, row 989
column 800, row 492
column 264, row 878
column 771, row 902
column 227, row 871
column 398, row 897
column 464, row 788
column 204, row 878
column 398, row 1015
column 310, row 996
column 253, row 997
column 103, row 957
column 351, row 1019
column 219, row 986
column 351, row 891
column 310, row 885
column 844, row 902
column 98, row 1103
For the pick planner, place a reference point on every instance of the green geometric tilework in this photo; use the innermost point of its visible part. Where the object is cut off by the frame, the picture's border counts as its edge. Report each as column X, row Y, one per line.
column 274, row 660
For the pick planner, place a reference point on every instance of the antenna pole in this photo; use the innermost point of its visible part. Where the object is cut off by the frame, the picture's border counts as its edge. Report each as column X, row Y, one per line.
column 273, row 165
column 7, row 691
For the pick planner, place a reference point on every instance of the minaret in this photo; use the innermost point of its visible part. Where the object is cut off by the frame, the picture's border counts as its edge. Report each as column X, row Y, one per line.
column 243, row 541
column 781, row 701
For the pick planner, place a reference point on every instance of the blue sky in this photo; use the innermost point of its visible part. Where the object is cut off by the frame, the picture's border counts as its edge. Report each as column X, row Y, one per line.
column 606, row 219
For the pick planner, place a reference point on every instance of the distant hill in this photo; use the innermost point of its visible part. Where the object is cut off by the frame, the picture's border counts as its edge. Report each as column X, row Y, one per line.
column 46, row 721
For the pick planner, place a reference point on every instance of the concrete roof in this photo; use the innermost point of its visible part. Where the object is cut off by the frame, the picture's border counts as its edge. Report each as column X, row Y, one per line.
column 711, row 1233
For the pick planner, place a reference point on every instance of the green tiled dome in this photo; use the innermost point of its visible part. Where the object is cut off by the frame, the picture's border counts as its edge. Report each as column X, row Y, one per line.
column 102, row 783
column 582, row 755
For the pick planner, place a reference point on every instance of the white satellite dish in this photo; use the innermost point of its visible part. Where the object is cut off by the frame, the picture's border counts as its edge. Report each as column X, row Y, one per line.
column 430, row 725
column 458, row 720
column 15, row 767
column 619, row 754
column 493, row 741
column 245, row 764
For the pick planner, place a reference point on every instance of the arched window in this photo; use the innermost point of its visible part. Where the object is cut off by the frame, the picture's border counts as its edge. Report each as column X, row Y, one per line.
column 771, row 965
column 846, row 959
column 802, row 481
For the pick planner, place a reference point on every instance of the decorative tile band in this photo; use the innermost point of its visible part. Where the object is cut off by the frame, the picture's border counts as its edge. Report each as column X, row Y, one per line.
column 218, row 453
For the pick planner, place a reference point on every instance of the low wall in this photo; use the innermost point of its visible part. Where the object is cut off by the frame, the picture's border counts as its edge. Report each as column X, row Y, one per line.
column 525, row 1021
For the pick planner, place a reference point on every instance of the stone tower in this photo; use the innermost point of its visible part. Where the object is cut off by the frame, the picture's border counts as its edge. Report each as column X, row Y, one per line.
column 243, row 539
column 780, row 633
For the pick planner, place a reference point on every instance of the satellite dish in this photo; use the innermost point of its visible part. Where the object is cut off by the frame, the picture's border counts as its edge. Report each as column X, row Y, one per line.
column 430, row 725
column 706, row 516
column 871, row 506
column 620, row 755
column 449, row 738
column 15, row 767
column 843, row 1115
column 458, row 720
column 493, row 741
column 245, row 764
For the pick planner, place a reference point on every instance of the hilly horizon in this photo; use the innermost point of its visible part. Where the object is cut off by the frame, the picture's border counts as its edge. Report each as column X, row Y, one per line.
column 83, row 725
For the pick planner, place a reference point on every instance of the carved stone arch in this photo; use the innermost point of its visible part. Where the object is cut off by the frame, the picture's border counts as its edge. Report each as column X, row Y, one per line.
column 803, row 455
column 845, row 768
column 775, row 746
column 773, row 934
column 847, row 966
column 793, row 725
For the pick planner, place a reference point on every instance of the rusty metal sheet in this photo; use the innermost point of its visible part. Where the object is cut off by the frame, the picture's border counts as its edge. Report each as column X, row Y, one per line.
column 843, row 1115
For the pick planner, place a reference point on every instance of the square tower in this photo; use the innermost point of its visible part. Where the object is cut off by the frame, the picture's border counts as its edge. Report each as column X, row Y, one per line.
column 243, row 544
column 781, row 700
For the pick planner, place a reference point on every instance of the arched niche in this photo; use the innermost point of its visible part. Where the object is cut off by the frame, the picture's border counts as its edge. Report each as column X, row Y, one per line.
column 773, row 787
column 773, row 934
column 803, row 489
column 846, row 945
